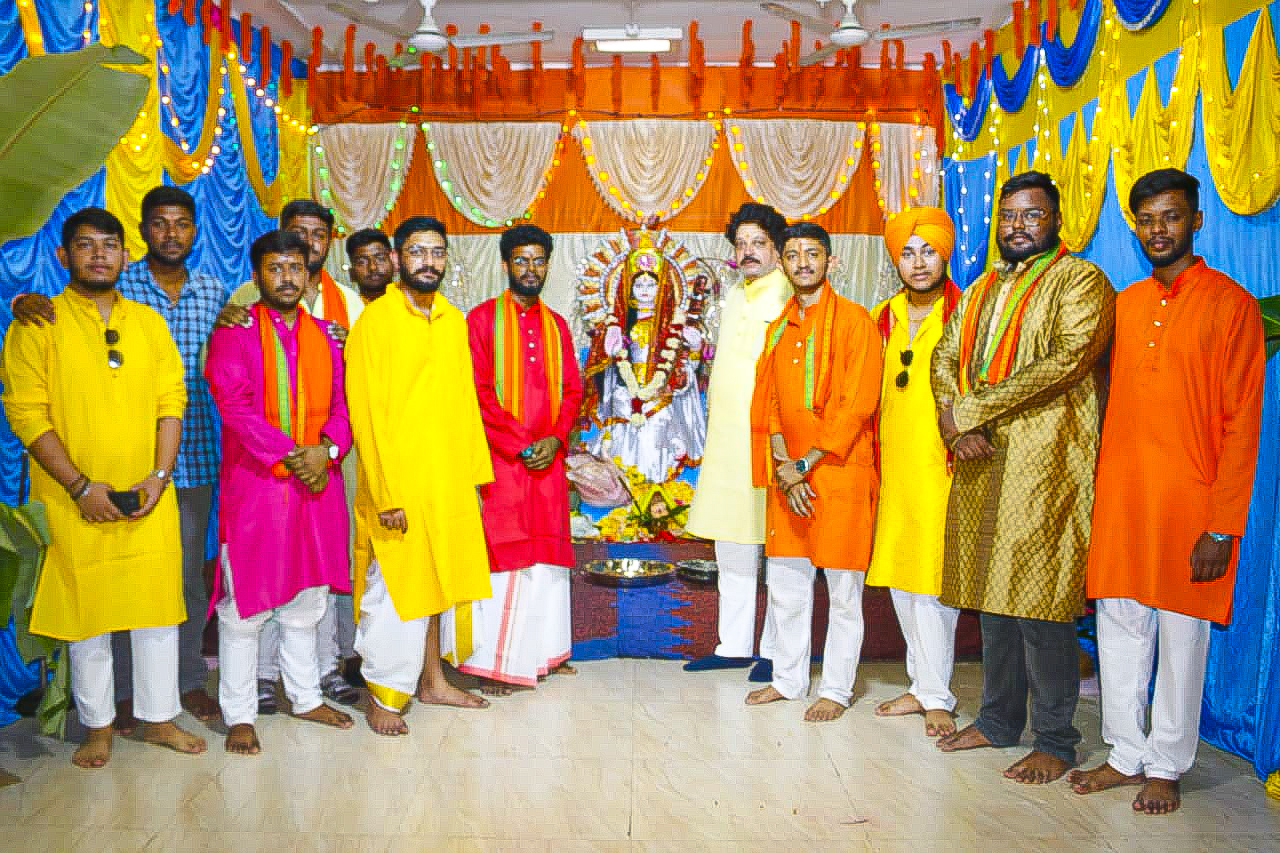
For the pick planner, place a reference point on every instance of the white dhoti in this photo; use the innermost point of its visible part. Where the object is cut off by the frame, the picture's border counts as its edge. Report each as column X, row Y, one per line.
column 392, row 650
column 238, row 651
column 1127, row 643
column 525, row 629
column 738, row 571
column 155, row 677
column 791, row 604
column 929, row 627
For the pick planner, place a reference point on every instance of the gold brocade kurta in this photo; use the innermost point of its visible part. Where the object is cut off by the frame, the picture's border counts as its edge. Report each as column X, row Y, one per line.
column 1017, row 534
column 121, row 575
column 726, row 506
column 416, row 421
column 914, row 480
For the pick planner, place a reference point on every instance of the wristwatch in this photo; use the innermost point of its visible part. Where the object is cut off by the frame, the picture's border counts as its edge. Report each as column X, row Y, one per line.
column 334, row 453
column 802, row 466
column 160, row 473
column 1221, row 537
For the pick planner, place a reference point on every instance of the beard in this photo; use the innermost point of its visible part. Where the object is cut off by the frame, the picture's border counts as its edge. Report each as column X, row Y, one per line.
column 521, row 288
column 98, row 286
column 1029, row 250
column 419, row 282
column 1176, row 253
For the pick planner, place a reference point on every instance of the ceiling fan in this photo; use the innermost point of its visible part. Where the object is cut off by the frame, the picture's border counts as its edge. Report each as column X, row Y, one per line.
column 849, row 32
column 428, row 37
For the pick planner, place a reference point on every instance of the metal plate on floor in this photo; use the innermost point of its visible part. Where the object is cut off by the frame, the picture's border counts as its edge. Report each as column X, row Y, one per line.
column 629, row 572
column 697, row 571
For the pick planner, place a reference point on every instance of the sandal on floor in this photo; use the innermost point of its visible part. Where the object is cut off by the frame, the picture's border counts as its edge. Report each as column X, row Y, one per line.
column 335, row 687
column 267, row 701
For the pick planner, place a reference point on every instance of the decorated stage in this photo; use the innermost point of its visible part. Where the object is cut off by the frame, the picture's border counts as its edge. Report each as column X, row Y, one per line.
column 678, row 619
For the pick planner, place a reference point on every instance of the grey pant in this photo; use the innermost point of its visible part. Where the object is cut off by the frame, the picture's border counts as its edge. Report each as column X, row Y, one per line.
column 1035, row 656
column 194, row 506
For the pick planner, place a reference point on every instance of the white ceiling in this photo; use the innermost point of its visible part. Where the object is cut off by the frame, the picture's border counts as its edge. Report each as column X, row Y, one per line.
column 720, row 23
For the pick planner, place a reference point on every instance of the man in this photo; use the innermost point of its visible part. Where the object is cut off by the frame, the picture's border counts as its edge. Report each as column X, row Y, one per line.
column 813, row 448
column 1019, row 409
column 915, row 474
column 372, row 264
column 1175, row 475
column 97, row 399
column 530, row 392
column 340, row 307
column 423, row 455
column 189, row 302
column 726, row 507
column 279, row 389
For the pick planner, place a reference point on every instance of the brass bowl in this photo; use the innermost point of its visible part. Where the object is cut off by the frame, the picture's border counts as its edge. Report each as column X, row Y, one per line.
column 628, row 572
column 697, row 571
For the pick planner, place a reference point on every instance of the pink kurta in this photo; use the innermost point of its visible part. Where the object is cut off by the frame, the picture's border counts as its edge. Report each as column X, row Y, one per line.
column 280, row 538
column 526, row 513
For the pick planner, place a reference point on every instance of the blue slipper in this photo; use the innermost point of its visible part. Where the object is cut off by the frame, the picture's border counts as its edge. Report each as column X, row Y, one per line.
column 762, row 672
column 716, row 662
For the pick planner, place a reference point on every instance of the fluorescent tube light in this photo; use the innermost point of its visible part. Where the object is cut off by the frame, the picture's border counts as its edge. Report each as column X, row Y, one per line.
column 636, row 45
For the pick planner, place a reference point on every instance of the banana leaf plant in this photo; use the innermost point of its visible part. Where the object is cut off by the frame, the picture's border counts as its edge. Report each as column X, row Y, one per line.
column 60, row 116
column 1271, row 322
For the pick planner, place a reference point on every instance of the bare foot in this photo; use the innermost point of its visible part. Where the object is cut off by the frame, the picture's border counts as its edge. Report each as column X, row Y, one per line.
column 564, row 669
column 1158, row 796
column 174, row 737
column 970, row 737
column 242, row 739
column 824, row 711
column 385, row 722
column 1101, row 778
column 1037, row 768
column 200, row 704
column 126, row 723
column 95, row 752
column 447, row 694
column 764, row 696
column 327, row 716
column 939, row 723
column 900, row 707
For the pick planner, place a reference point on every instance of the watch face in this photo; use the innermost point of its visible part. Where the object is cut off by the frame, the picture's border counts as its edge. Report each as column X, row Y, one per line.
column 333, row 452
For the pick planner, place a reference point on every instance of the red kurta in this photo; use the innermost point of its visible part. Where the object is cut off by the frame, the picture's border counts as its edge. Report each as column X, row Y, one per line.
column 526, row 513
column 1180, row 440
column 841, row 423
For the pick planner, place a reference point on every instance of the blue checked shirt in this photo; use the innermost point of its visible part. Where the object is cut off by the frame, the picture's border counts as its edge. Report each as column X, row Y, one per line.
column 191, row 323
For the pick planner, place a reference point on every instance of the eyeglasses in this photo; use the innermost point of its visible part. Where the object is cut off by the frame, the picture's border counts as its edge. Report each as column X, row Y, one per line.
column 438, row 253
column 906, row 357
column 1031, row 217
column 521, row 263
column 115, row 358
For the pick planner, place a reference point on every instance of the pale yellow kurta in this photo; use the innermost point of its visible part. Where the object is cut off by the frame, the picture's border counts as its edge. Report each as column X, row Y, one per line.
column 725, row 505
column 412, row 397
column 914, row 480
column 121, row 575
column 1018, row 523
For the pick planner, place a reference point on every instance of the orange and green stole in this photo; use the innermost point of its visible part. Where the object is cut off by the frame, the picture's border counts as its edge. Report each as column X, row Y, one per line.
column 302, row 412
column 335, row 307
column 1002, row 348
column 509, row 359
column 817, row 377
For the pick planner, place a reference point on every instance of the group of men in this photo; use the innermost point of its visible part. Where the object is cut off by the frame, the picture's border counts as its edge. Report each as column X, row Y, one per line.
column 946, row 445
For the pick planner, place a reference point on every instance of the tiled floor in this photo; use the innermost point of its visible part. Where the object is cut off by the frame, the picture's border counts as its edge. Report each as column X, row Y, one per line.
column 630, row 755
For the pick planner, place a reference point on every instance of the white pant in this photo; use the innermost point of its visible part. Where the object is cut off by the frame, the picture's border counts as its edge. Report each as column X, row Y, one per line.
column 736, row 580
column 155, row 677
column 238, row 641
column 335, row 636
column 526, row 628
column 1127, row 634
column 791, row 605
column 929, row 627
column 392, row 650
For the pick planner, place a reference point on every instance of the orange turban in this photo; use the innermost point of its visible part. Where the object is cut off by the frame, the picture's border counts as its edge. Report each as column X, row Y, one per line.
column 931, row 223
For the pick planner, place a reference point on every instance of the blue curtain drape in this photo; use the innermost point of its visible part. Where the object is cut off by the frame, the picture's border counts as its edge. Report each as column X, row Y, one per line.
column 1067, row 65
column 968, row 120
column 13, row 45
column 64, row 22
column 1012, row 92
column 968, row 187
column 1140, row 14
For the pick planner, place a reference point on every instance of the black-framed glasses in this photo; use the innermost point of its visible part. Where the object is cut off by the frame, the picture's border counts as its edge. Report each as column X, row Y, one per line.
column 906, row 357
column 115, row 358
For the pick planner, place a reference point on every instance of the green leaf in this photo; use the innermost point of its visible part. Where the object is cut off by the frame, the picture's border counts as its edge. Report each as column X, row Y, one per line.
column 1271, row 322
column 60, row 116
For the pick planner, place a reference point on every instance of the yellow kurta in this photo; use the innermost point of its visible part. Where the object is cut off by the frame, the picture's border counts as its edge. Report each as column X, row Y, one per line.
column 914, row 480
column 417, row 427
column 1018, row 523
column 121, row 575
column 726, row 506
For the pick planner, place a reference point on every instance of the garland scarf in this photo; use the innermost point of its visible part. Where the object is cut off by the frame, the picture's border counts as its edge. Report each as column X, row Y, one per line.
column 997, row 361
column 508, row 360
column 301, row 414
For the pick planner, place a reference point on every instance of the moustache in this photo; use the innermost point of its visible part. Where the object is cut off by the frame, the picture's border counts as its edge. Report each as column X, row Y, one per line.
column 750, row 259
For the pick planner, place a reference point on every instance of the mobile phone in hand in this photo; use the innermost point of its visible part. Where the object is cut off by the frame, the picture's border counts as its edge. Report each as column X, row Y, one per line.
column 127, row 502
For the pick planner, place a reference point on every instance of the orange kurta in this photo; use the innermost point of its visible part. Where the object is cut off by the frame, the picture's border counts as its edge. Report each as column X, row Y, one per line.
column 841, row 423
column 1180, row 440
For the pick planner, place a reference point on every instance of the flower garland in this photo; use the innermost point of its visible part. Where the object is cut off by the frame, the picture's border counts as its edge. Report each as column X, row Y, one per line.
column 672, row 357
